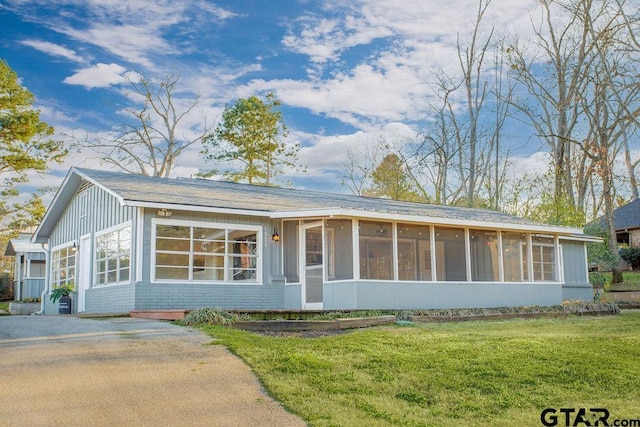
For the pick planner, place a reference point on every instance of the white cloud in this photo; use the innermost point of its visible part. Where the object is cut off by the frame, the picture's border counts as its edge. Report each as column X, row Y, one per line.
column 100, row 75
column 53, row 49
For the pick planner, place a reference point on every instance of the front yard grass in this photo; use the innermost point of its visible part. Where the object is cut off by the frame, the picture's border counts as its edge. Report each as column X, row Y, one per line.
column 501, row 373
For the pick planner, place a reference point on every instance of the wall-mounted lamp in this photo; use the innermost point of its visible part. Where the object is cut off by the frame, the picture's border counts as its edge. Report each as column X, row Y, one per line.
column 275, row 236
column 164, row 212
column 74, row 248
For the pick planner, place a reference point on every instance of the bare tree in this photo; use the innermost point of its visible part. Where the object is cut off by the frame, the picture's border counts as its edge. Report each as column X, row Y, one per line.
column 553, row 74
column 152, row 143
column 611, row 102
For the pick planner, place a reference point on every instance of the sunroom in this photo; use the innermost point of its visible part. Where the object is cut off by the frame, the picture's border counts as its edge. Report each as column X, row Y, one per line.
column 351, row 263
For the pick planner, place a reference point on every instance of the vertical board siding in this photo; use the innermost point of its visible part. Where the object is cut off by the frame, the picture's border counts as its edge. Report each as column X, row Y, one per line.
column 102, row 211
column 574, row 262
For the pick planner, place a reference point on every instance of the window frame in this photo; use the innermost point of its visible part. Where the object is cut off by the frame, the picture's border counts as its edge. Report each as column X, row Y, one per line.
column 69, row 278
column 115, row 229
column 227, row 227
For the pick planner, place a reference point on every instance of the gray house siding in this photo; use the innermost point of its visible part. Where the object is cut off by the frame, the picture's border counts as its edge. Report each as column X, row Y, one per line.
column 92, row 210
column 576, row 284
column 410, row 295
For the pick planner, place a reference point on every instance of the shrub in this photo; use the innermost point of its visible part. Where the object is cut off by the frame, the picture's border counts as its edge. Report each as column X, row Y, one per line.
column 208, row 316
column 6, row 291
column 598, row 280
column 632, row 256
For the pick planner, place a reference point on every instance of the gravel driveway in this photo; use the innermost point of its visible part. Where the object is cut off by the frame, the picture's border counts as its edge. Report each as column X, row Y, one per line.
column 62, row 370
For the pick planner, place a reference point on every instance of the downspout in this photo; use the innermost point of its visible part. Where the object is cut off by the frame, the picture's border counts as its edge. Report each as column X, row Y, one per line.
column 47, row 254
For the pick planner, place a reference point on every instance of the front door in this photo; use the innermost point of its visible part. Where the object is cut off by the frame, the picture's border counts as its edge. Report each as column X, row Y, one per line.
column 84, row 271
column 312, row 266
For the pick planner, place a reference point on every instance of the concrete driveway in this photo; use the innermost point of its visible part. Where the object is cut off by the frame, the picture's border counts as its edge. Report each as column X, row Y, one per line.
column 59, row 370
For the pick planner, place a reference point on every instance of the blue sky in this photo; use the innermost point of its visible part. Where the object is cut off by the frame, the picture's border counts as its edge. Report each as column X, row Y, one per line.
column 346, row 72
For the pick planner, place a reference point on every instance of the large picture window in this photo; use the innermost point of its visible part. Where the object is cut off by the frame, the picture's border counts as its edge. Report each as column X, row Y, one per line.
column 113, row 256
column 203, row 253
column 63, row 266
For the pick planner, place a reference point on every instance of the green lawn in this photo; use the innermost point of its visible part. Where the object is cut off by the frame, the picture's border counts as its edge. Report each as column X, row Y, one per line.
column 474, row 373
column 631, row 280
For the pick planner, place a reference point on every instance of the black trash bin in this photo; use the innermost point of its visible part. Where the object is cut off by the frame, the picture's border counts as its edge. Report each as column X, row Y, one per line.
column 64, row 306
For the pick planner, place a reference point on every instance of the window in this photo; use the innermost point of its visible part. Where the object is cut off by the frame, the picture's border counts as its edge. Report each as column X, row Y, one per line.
column 450, row 247
column 63, row 266
column 113, row 256
column 203, row 253
column 37, row 269
column 376, row 251
column 484, row 256
column 514, row 257
column 544, row 264
column 414, row 252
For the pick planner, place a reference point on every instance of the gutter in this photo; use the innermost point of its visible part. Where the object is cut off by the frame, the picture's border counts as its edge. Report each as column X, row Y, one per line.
column 46, row 279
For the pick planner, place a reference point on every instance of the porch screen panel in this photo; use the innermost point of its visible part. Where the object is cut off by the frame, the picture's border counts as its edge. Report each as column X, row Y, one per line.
column 339, row 245
column 514, row 257
column 451, row 254
column 376, row 251
column 414, row 252
column 484, row 255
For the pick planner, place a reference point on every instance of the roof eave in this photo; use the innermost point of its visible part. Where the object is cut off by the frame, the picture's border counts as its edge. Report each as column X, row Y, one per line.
column 342, row 212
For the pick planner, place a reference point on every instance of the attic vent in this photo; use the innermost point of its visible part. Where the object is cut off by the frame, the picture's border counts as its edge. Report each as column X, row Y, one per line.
column 85, row 185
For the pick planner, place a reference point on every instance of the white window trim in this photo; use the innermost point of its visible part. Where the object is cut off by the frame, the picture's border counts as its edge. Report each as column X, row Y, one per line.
column 227, row 226
column 50, row 261
column 100, row 233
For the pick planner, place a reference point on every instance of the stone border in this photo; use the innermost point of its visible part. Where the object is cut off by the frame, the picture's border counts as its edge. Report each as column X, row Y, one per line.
column 500, row 316
column 312, row 325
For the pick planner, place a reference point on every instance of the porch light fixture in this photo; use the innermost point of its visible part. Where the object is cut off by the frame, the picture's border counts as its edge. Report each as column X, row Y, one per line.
column 275, row 236
column 164, row 212
column 74, row 248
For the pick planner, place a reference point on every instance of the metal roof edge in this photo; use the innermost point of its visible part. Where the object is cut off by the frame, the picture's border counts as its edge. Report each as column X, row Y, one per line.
column 195, row 208
column 305, row 213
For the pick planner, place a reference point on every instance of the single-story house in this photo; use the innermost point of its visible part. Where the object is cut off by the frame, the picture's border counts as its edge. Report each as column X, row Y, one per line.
column 627, row 223
column 29, row 268
column 132, row 242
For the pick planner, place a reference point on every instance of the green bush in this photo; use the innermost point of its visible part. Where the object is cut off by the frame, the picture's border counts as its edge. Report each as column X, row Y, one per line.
column 208, row 316
column 632, row 256
column 598, row 280
column 5, row 287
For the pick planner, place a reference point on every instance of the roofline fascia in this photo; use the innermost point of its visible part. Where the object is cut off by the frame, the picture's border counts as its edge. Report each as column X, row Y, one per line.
column 102, row 187
column 34, row 237
column 431, row 220
column 583, row 238
column 194, row 208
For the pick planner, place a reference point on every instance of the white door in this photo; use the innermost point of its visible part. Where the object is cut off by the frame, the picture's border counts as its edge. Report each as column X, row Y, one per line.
column 312, row 265
column 84, row 271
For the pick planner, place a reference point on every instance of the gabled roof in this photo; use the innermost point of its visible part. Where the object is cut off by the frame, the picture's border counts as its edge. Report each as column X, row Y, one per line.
column 244, row 199
column 21, row 245
column 627, row 216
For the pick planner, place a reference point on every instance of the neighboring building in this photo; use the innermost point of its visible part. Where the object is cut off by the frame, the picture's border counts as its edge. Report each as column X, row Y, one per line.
column 30, row 267
column 132, row 242
column 627, row 223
